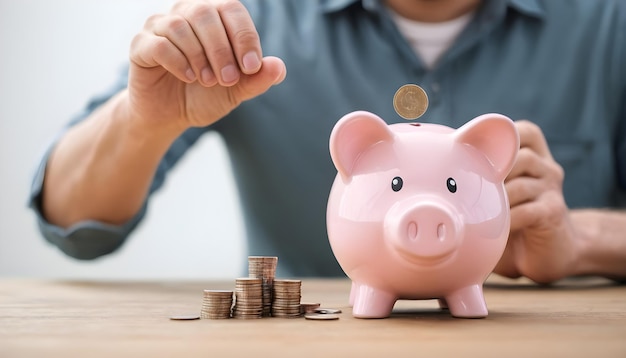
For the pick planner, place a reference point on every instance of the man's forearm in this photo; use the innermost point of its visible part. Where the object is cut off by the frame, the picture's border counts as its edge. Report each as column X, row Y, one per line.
column 602, row 242
column 102, row 168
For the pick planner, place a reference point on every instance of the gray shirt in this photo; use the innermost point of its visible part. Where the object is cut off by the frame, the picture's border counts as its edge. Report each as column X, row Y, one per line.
column 561, row 64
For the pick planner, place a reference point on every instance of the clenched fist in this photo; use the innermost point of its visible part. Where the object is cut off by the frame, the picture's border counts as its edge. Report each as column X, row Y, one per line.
column 542, row 243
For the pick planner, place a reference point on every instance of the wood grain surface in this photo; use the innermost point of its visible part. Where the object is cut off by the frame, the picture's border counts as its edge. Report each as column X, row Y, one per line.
column 576, row 318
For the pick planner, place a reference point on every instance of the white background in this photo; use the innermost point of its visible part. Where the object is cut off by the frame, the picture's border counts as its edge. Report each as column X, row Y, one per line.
column 55, row 55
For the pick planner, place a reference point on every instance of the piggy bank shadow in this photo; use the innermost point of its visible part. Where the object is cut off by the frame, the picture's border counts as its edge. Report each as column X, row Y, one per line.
column 426, row 314
column 439, row 315
column 428, row 310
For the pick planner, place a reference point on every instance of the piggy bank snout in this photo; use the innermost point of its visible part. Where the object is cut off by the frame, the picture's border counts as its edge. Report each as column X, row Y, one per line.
column 423, row 229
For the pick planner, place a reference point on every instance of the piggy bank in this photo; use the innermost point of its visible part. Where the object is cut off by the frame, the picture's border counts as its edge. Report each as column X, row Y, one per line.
column 419, row 211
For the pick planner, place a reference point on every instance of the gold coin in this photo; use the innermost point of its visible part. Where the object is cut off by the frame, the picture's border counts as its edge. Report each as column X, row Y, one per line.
column 410, row 101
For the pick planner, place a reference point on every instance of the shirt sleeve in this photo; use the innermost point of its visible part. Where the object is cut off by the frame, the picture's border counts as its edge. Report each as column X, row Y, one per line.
column 621, row 145
column 91, row 239
column 621, row 135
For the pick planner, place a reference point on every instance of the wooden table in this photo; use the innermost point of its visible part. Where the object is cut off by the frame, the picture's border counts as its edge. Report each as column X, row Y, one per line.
column 585, row 318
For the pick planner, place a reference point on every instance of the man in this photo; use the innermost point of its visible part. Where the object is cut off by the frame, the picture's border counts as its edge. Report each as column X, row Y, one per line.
column 201, row 68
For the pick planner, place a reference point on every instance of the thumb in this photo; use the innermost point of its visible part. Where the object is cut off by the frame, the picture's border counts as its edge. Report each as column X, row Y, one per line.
column 272, row 72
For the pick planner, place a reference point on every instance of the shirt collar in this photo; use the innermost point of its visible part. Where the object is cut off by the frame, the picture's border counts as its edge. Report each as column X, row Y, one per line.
column 330, row 6
column 530, row 8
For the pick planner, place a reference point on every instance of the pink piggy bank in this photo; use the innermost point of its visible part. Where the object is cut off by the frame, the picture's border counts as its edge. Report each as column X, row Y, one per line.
column 419, row 211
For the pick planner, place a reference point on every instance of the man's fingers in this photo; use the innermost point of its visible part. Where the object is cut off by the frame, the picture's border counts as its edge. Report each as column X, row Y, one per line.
column 527, row 163
column 178, row 31
column 542, row 214
column 229, row 38
column 525, row 215
column 242, row 35
column 272, row 72
column 532, row 137
column 149, row 51
column 523, row 189
column 209, row 29
column 506, row 266
column 218, row 41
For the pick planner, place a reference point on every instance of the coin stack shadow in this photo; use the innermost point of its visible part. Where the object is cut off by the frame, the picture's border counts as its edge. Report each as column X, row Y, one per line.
column 216, row 304
column 287, row 294
column 248, row 298
column 264, row 267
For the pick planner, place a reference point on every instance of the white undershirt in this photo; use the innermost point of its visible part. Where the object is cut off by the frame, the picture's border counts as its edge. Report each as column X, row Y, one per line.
column 430, row 39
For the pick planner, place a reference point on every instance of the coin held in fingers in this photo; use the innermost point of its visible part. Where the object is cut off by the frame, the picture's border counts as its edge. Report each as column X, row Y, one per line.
column 410, row 101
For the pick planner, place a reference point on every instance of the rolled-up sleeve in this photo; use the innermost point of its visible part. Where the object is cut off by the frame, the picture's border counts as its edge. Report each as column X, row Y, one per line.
column 85, row 240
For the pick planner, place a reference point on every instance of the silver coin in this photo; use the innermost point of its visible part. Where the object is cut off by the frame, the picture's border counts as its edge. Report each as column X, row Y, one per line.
column 189, row 317
column 321, row 317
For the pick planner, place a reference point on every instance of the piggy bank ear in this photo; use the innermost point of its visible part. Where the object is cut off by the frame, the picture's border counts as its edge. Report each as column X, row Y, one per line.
column 496, row 137
column 353, row 134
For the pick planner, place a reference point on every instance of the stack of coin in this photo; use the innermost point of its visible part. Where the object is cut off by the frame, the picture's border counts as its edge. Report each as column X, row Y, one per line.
column 287, row 295
column 264, row 267
column 216, row 304
column 248, row 298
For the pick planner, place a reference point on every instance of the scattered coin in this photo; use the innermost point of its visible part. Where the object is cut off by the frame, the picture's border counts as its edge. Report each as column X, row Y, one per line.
column 410, row 101
column 327, row 310
column 190, row 317
column 321, row 316
column 308, row 307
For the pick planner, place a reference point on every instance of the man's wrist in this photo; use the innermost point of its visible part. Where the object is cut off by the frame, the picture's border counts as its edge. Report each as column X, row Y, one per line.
column 145, row 131
column 601, row 248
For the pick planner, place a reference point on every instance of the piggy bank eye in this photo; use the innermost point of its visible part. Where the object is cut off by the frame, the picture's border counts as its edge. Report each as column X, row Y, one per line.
column 451, row 183
column 396, row 184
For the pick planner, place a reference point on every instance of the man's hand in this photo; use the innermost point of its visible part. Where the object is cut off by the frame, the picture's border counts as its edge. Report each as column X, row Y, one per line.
column 194, row 65
column 188, row 68
column 542, row 243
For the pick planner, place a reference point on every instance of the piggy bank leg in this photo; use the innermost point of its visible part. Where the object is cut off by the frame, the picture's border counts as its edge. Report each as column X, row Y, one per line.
column 370, row 302
column 353, row 291
column 468, row 302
